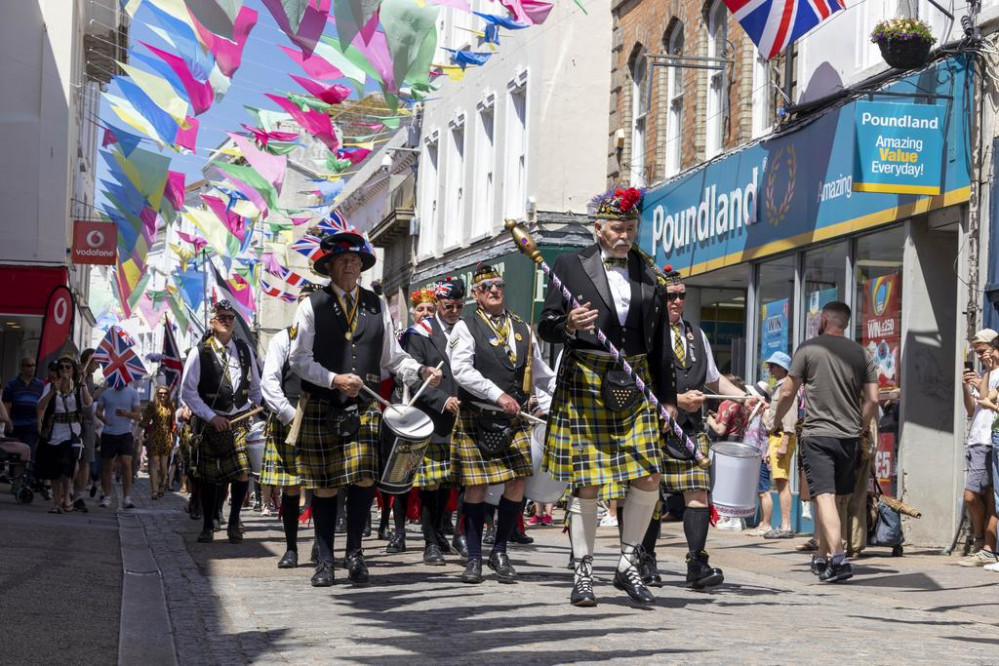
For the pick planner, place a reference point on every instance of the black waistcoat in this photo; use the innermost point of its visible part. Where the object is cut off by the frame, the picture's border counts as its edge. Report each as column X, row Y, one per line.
column 360, row 354
column 494, row 363
column 291, row 383
column 691, row 373
column 213, row 387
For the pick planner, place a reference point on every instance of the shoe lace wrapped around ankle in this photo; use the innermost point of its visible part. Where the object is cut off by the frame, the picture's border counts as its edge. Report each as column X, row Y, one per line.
column 584, row 575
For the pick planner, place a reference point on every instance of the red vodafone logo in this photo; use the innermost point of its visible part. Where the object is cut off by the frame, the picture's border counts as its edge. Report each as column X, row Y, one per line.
column 94, row 243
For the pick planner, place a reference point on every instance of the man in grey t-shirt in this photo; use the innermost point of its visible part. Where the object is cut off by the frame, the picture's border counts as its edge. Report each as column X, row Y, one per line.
column 841, row 399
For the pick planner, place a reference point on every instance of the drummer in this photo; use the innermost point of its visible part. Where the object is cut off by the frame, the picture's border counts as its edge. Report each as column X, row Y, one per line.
column 497, row 363
column 281, row 388
column 340, row 341
column 221, row 383
column 440, row 403
column 695, row 369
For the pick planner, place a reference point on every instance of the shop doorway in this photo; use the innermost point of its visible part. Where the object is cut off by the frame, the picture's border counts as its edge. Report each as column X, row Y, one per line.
column 716, row 302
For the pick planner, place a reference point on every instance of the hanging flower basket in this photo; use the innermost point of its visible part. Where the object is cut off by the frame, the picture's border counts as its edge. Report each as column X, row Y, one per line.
column 904, row 42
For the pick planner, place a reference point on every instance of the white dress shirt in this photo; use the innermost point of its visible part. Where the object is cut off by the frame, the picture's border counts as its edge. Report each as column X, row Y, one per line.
column 394, row 358
column 620, row 286
column 272, row 379
column 705, row 348
column 461, row 352
column 192, row 375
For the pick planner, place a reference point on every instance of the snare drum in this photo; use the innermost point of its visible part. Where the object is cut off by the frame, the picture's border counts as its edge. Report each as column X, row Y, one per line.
column 256, row 440
column 541, row 487
column 403, row 439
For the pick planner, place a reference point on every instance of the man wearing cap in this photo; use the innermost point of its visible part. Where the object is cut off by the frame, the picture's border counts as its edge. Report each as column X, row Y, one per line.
column 601, row 429
column 281, row 388
column 340, row 342
column 695, row 368
column 781, row 444
column 497, row 364
column 221, row 383
column 441, row 404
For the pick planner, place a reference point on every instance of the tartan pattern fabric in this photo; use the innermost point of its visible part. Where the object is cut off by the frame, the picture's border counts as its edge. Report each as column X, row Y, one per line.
column 325, row 461
column 230, row 465
column 680, row 475
column 280, row 461
column 678, row 351
column 589, row 445
column 471, row 468
column 436, row 465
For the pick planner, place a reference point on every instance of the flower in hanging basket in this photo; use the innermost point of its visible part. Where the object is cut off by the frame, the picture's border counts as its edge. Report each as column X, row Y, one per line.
column 904, row 42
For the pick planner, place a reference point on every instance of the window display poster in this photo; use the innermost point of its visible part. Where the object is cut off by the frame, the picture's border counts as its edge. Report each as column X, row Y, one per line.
column 774, row 331
column 816, row 301
column 882, row 326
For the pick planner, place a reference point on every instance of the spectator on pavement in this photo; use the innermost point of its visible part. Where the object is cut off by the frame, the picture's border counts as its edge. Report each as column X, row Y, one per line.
column 89, row 436
column 60, row 412
column 117, row 408
column 979, row 501
column 157, row 420
column 755, row 435
column 20, row 398
column 842, row 387
column 781, row 444
column 729, row 422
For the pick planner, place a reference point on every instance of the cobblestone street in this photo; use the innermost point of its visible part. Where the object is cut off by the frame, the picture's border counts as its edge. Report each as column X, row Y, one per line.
column 230, row 604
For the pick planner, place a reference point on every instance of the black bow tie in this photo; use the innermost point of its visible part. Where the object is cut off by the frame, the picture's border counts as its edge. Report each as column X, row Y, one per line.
column 620, row 262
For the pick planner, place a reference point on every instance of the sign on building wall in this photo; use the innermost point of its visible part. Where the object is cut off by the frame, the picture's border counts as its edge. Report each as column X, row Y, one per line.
column 899, row 147
column 881, row 321
column 774, row 331
column 95, row 243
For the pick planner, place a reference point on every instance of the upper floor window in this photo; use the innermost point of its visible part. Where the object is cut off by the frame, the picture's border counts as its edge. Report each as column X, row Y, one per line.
column 639, row 115
column 674, row 100
column 762, row 95
column 515, row 177
column 715, row 107
column 428, row 196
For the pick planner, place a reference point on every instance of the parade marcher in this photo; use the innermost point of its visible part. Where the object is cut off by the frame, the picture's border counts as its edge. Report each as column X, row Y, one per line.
column 497, row 363
column 440, row 403
column 694, row 366
column 341, row 340
column 281, row 388
column 601, row 430
column 221, row 383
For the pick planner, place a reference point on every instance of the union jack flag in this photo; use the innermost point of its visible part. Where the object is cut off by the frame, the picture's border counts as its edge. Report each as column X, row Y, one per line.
column 170, row 362
column 774, row 24
column 308, row 245
column 269, row 289
column 288, row 297
column 336, row 224
column 118, row 359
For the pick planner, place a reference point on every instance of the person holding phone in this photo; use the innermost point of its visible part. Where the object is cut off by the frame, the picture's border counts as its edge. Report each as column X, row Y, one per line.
column 116, row 409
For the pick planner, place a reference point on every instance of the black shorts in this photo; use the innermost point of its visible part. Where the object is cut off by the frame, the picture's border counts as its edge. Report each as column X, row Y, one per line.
column 113, row 446
column 56, row 461
column 830, row 464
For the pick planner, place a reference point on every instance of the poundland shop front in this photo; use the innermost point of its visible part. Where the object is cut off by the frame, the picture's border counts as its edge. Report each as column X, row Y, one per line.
column 864, row 202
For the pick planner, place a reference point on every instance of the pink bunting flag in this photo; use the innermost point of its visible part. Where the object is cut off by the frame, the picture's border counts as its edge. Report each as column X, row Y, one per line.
column 242, row 292
column 148, row 217
column 270, row 263
column 314, row 122
column 334, row 94
column 197, row 241
column 233, row 222
column 187, row 134
column 375, row 49
column 228, row 53
column 109, row 138
column 533, row 12
column 271, row 167
column 199, row 93
column 250, row 192
column 311, row 26
column 263, row 136
column 315, row 66
column 174, row 190
column 299, row 221
column 353, row 156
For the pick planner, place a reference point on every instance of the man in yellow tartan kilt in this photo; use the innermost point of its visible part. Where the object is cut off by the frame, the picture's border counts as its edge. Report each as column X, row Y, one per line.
column 694, row 367
column 281, row 388
column 601, row 429
column 340, row 343
column 498, row 365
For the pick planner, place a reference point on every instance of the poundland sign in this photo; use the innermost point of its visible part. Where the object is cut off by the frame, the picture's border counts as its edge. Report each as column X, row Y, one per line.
column 899, row 148
column 800, row 187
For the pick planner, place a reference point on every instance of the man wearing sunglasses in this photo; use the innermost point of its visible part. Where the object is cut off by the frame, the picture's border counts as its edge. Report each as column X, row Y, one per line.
column 221, row 382
column 441, row 404
column 601, row 431
column 498, row 365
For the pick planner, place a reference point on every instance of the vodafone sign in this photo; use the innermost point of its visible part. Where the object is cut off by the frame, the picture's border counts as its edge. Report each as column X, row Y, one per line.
column 95, row 243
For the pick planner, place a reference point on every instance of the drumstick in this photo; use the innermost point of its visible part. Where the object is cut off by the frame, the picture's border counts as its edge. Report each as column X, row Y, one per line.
column 524, row 415
column 373, row 394
column 243, row 417
column 425, row 383
column 716, row 396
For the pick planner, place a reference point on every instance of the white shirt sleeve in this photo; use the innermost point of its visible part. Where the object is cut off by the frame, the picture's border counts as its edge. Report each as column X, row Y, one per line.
column 461, row 351
column 254, row 393
column 394, row 357
column 270, row 381
column 542, row 376
column 302, row 361
column 713, row 373
column 189, row 386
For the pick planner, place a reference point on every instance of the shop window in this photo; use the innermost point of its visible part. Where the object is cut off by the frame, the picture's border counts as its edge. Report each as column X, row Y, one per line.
column 824, row 280
column 775, row 289
column 877, row 308
column 674, row 98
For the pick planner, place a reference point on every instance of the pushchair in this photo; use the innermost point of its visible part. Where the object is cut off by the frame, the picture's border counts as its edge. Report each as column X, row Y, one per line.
column 884, row 520
column 17, row 472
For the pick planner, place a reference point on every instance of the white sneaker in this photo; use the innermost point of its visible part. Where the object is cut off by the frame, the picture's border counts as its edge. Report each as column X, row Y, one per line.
column 806, row 510
column 128, row 503
column 992, row 567
column 105, row 502
column 608, row 521
column 979, row 559
column 728, row 524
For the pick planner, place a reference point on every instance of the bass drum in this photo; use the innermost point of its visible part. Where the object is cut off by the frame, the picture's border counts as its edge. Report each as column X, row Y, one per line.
column 541, row 487
column 256, row 440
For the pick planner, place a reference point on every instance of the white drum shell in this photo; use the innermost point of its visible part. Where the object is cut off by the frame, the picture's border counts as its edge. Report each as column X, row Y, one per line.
column 541, row 487
column 735, row 475
column 256, row 440
column 494, row 493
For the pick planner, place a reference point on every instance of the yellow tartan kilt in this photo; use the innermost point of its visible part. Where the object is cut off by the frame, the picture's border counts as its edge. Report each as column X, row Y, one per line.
column 470, row 468
column 325, row 461
column 436, row 466
column 220, row 462
column 587, row 444
column 280, row 460
column 680, row 475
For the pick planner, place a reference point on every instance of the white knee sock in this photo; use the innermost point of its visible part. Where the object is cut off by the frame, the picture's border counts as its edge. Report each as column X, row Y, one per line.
column 638, row 508
column 583, row 526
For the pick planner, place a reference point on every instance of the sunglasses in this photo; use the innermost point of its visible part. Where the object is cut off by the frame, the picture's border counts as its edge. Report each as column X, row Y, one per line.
column 452, row 307
column 225, row 318
column 489, row 284
column 679, row 296
column 65, row 366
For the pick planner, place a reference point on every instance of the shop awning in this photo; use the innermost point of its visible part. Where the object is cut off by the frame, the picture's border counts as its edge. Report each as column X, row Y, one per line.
column 24, row 290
